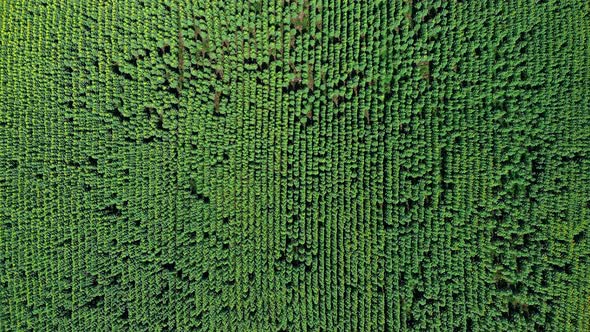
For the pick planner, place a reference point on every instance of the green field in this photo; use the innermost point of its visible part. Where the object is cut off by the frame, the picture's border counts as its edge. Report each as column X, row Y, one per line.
column 284, row 165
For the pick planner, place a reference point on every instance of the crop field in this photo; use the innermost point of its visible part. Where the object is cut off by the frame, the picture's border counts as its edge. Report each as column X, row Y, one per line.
column 295, row 165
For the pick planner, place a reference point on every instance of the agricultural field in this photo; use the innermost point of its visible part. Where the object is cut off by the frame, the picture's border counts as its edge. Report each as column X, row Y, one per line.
column 295, row 165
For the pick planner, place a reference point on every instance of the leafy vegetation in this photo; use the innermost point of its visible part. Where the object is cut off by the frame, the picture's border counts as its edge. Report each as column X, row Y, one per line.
column 295, row 165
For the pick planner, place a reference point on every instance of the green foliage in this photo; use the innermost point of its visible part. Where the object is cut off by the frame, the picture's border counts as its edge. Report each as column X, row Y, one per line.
column 294, row 165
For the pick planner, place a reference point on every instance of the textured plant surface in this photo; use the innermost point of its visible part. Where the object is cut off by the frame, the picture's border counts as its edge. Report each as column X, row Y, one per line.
column 268, row 165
